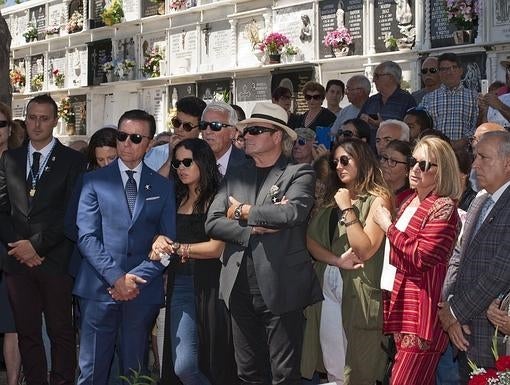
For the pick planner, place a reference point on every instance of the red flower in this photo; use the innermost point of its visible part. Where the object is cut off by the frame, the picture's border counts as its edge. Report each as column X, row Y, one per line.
column 482, row 378
column 503, row 363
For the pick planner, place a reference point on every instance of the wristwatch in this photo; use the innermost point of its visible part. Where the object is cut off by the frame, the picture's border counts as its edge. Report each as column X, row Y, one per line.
column 238, row 211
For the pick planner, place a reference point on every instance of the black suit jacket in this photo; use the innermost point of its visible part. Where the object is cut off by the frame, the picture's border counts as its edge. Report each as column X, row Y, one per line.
column 42, row 220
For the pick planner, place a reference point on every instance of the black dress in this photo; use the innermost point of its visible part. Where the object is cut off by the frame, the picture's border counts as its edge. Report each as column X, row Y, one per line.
column 6, row 317
column 216, row 349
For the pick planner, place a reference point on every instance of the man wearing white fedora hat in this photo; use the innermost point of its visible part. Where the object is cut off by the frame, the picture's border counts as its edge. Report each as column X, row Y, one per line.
column 261, row 212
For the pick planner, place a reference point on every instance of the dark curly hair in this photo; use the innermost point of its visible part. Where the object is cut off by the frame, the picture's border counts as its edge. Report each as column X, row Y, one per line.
column 209, row 174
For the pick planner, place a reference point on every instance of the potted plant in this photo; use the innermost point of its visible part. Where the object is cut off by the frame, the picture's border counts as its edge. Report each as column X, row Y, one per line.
column 30, row 33
column 339, row 41
column 290, row 52
column 66, row 113
column 52, row 30
column 151, row 66
column 37, row 82
column 17, row 77
column 75, row 22
column 58, row 78
column 273, row 45
column 125, row 69
column 464, row 14
column 177, row 5
column 390, row 41
column 112, row 14
column 108, row 68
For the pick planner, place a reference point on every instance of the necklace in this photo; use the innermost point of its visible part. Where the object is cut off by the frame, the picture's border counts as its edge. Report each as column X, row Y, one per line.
column 35, row 178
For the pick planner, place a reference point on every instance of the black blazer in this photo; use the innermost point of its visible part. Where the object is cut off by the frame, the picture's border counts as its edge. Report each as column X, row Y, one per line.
column 42, row 221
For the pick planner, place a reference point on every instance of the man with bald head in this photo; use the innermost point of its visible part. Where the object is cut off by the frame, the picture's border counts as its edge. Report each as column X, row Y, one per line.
column 430, row 78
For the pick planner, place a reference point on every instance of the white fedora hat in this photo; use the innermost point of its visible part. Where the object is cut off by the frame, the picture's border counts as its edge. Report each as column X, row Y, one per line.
column 265, row 112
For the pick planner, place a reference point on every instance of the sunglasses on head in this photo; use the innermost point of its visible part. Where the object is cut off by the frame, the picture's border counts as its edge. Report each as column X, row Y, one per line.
column 343, row 160
column 186, row 162
column 3, row 123
column 257, row 130
column 187, row 126
column 432, row 70
column 314, row 97
column 134, row 138
column 424, row 165
column 345, row 133
column 215, row 126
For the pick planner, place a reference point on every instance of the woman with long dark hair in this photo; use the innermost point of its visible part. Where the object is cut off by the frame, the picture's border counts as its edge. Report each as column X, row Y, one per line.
column 197, row 338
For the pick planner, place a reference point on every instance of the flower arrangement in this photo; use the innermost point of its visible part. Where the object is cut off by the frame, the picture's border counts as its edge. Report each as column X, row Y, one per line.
column 30, row 33
column 65, row 110
column 177, row 4
column 251, row 32
column 390, row 41
column 113, row 14
column 338, row 38
column 17, row 77
column 52, row 30
column 37, row 82
column 58, row 78
column 75, row 23
column 151, row 66
column 291, row 50
column 108, row 66
column 498, row 376
column 463, row 13
column 124, row 68
column 273, row 43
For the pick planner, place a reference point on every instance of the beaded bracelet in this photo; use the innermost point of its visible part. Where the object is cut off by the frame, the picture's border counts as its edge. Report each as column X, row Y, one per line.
column 186, row 250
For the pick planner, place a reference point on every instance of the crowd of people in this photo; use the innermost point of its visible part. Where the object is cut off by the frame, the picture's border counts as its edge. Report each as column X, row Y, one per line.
column 256, row 250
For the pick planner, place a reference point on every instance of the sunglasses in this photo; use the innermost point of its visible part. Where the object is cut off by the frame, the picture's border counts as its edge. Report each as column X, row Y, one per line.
column 186, row 162
column 314, row 97
column 391, row 162
column 134, row 138
column 257, row 130
column 215, row 126
column 432, row 70
column 345, row 133
column 424, row 165
column 343, row 160
column 301, row 141
column 187, row 126
column 3, row 123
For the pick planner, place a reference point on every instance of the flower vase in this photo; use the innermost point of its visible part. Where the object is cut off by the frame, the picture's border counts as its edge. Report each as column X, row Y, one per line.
column 259, row 55
column 109, row 76
column 130, row 75
column 463, row 37
column 341, row 51
column 70, row 128
column 275, row 58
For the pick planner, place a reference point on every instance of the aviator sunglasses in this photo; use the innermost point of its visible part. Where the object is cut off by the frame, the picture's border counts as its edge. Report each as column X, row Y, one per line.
column 424, row 165
column 215, row 126
column 187, row 126
column 343, row 160
column 135, row 138
column 186, row 162
column 257, row 130
column 432, row 70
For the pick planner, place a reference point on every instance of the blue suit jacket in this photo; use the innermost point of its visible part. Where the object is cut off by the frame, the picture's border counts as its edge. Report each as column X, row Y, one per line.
column 111, row 242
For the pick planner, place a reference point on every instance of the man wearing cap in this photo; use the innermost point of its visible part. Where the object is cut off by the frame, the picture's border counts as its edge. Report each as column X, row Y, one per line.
column 267, row 278
column 495, row 106
column 302, row 152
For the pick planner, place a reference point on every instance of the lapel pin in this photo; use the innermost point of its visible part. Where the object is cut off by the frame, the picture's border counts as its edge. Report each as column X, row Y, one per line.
column 47, row 169
column 147, row 187
column 53, row 158
column 273, row 193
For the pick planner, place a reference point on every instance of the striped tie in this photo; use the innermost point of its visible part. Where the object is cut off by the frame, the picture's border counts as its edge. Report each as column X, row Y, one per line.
column 131, row 191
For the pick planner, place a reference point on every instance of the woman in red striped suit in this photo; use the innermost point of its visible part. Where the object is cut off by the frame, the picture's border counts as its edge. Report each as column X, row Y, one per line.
column 422, row 238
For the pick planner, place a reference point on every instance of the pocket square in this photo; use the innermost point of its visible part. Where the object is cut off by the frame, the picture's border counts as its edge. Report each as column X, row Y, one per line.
column 152, row 198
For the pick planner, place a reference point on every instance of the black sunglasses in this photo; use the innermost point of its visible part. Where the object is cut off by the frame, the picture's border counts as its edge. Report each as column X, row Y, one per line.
column 135, row 138
column 257, row 130
column 391, row 162
column 424, row 165
column 343, row 160
column 345, row 133
column 215, row 126
column 314, row 97
column 301, row 141
column 187, row 162
column 187, row 126
column 3, row 123
column 432, row 70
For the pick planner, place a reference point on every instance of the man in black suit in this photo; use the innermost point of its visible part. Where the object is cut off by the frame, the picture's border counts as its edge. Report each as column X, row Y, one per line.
column 36, row 182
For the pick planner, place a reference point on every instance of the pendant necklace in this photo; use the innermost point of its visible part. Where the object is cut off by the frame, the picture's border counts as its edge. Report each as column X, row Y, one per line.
column 35, row 178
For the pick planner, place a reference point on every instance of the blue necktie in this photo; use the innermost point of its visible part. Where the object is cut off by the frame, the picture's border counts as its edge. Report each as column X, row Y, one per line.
column 131, row 191
column 487, row 205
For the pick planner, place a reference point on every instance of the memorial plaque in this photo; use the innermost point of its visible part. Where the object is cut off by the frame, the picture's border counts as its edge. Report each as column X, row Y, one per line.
column 99, row 52
column 385, row 23
column 219, row 90
column 153, row 102
column 79, row 106
column 183, row 51
column 294, row 80
column 354, row 22
column 327, row 23
column 296, row 23
column 56, row 13
column 216, row 45
column 152, row 7
column 131, row 9
column 18, row 108
column 441, row 29
column 36, row 73
column 77, row 62
column 37, row 16
column 97, row 7
column 251, row 90
column 57, row 73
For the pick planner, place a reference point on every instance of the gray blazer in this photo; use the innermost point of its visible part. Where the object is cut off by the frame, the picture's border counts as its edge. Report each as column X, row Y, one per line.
column 283, row 266
column 482, row 274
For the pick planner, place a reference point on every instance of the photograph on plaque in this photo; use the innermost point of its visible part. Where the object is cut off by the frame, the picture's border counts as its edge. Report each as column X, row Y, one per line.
column 394, row 25
column 56, row 70
column 183, row 51
column 37, row 16
column 75, row 18
column 152, row 7
column 296, row 24
column 99, row 53
column 441, row 30
column 215, row 45
column 176, row 92
column 153, row 55
column 294, row 80
column 250, row 33
column 36, row 73
column 77, row 65
column 220, row 90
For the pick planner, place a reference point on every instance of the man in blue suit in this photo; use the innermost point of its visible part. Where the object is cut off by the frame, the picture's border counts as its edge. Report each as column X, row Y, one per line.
column 122, row 208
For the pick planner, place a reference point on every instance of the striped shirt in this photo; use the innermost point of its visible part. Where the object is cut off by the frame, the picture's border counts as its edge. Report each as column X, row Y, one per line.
column 454, row 112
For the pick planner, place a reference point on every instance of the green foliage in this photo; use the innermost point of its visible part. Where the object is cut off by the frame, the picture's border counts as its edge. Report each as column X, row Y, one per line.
column 136, row 378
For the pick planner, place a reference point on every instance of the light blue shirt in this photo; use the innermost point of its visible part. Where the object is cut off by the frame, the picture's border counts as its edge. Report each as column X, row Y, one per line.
column 347, row 113
column 157, row 157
